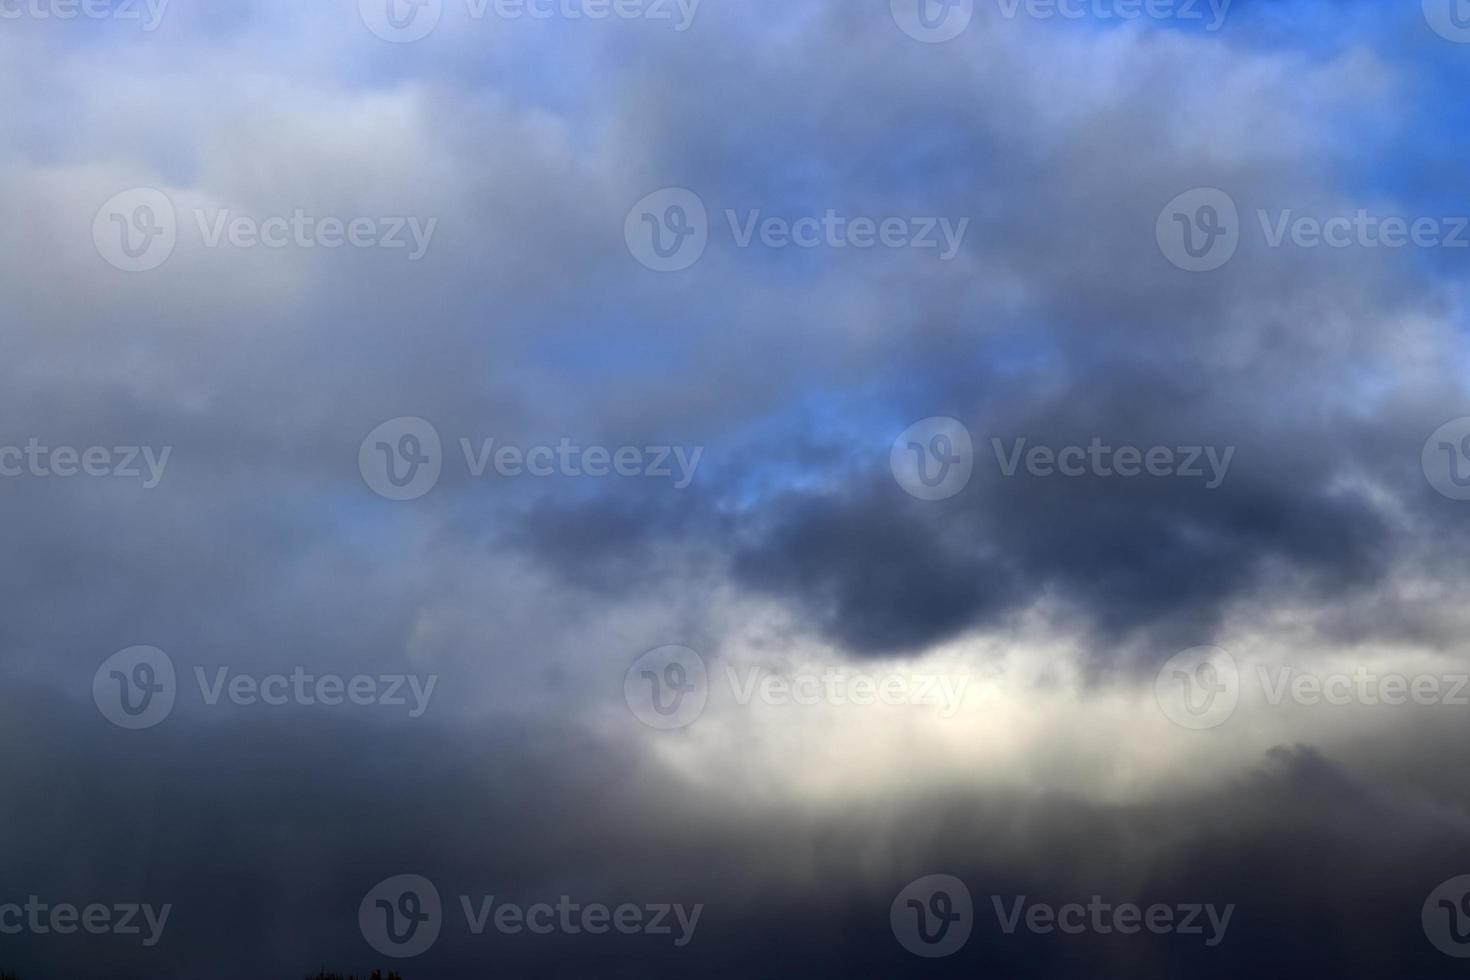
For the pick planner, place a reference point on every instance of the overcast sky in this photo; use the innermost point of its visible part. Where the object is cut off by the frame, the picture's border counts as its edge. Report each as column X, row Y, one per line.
column 740, row 458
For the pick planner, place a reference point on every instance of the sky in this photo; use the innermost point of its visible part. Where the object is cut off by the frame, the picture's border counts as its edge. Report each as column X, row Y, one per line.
column 641, row 488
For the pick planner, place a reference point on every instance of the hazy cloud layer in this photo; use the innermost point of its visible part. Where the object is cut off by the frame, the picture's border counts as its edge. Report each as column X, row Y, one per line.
column 774, row 379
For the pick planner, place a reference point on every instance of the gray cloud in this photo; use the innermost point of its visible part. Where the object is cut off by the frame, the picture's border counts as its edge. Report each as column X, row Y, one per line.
column 529, row 321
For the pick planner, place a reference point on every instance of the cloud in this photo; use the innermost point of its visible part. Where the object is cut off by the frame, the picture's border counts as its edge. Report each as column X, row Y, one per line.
column 528, row 320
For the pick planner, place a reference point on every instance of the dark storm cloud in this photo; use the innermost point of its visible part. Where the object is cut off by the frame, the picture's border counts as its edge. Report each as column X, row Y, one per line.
column 882, row 573
column 1290, row 358
column 1138, row 562
column 887, row 575
column 265, row 860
